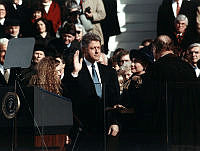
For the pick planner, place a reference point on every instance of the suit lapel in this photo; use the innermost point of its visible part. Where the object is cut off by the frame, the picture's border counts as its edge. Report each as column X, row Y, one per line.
column 103, row 76
column 86, row 75
column 86, row 78
column 183, row 6
column 2, row 80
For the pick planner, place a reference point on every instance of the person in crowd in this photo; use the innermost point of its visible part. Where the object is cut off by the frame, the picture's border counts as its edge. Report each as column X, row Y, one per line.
column 145, row 43
column 91, row 85
column 165, row 21
column 110, row 28
column 80, row 32
column 113, row 61
column 37, row 12
column 123, row 57
column 61, row 66
column 52, row 13
column 39, row 52
column 103, row 59
column 3, row 17
column 198, row 17
column 7, row 76
column 140, row 61
column 2, row 57
column 3, row 48
column 12, row 28
column 41, row 32
column 193, row 56
column 20, row 9
column 182, row 38
column 134, row 105
column 124, row 73
column 94, row 10
column 72, row 12
column 168, row 67
column 66, row 44
column 120, row 62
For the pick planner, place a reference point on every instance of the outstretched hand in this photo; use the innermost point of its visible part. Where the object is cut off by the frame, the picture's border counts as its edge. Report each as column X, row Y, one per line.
column 77, row 63
column 113, row 130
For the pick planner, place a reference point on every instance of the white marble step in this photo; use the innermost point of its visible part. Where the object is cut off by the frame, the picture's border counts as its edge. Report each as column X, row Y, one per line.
column 135, row 36
column 140, row 27
column 140, row 1
column 141, row 8
column 129, row 45
column 141, row 18
column 137, row 21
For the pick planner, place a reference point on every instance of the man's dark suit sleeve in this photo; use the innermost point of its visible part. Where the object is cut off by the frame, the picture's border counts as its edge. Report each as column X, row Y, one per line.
column 112, row 93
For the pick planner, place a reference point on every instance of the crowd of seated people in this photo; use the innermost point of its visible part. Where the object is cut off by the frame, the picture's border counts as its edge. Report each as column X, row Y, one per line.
column 59, row 32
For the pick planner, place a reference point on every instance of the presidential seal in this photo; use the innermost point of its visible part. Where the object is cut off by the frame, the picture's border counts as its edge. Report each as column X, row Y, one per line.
column 10, row 105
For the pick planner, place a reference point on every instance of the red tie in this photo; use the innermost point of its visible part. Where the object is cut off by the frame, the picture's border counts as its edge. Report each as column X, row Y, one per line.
column 178, row 8
column 81, row 1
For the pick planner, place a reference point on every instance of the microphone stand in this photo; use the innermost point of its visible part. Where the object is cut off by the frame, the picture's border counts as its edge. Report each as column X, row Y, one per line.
column 80, row 129
column 17, row 80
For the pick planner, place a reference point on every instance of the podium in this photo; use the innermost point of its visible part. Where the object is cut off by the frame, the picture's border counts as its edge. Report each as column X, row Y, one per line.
column 40, row 113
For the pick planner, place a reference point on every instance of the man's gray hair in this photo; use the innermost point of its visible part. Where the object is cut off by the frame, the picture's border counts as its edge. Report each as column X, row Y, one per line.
column 181, row 17
column 3, row 41
column 194, row 45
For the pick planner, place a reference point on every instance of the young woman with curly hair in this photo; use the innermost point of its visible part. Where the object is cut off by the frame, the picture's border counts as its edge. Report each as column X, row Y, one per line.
column 47, row 76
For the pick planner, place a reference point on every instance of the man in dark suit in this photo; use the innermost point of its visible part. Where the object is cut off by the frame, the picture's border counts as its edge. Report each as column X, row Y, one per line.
column 12, row 28
column 7, row 76
column 110, row 28
column 182, row 38
column 167, row 74
column 19, row 9
column 169, row 67
column 92, row 98
column 66, row 44
column 193, row 56
column 2, row 18
column 167, row 13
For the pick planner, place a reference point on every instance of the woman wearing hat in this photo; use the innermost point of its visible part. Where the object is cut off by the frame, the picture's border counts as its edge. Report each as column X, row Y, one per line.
column 135, row 107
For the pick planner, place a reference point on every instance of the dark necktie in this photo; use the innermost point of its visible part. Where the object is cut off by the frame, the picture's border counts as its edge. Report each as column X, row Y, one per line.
column 97, row 84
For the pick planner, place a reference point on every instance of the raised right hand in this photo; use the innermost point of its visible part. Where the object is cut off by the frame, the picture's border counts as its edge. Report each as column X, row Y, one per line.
column 77, row 63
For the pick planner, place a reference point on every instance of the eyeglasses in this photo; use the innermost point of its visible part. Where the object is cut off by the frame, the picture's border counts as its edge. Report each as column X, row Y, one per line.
column 78, row 32
column 74, row 13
